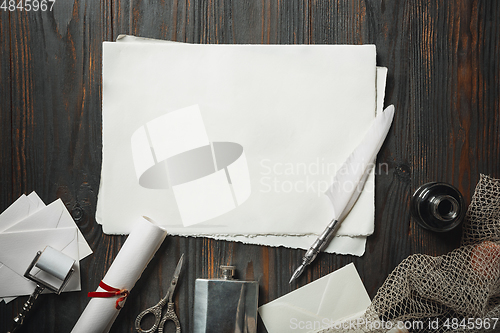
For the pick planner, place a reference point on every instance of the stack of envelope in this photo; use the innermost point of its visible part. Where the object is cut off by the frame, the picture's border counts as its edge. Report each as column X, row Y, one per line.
column 28, row 226
column 235, row 142
column 337, row 302
column 337, row 297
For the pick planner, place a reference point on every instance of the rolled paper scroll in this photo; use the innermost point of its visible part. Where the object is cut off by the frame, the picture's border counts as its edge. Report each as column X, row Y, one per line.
column 135, row 254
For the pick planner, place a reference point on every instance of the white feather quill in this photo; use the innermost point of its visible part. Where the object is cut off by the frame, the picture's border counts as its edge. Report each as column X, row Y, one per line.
column 351, row 177
column 349, row 182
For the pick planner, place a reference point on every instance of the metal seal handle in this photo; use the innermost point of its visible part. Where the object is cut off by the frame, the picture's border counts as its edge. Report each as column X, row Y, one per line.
column 19, row 319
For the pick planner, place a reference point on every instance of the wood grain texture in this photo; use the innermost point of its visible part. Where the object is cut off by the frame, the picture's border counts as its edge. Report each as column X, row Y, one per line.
column 444, row 80
column 6, row 177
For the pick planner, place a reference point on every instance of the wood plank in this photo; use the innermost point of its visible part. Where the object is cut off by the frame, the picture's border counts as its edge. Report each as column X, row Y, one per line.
column 6, row 177
column 444, row 38
column 56, row 121
column 484, row 141
column 168, row 20
column 432, row 130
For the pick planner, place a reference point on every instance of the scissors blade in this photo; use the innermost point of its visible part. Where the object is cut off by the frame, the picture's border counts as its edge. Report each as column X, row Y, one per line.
column 177, row 272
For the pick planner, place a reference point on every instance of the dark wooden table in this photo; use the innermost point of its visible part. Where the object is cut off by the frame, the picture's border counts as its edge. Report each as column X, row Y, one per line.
column 444, row 79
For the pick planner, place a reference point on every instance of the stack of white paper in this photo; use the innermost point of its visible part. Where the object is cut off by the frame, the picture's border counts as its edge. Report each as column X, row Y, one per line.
column 235, row 142
column 28, row 226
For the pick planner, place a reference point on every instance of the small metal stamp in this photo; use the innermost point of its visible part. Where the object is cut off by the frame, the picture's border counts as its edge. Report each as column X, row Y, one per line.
column 49, row 269
column 438, row 206
column 225, row 304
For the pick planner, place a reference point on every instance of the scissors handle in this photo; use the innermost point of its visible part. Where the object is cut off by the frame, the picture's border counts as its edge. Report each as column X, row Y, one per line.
column 155, row 311
column 170, row 315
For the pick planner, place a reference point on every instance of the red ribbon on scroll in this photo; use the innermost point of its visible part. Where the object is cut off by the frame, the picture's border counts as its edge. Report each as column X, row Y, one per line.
column 110, row 292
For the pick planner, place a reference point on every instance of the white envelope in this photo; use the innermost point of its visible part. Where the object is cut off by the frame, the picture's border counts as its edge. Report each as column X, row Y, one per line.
column 319, row 304
column 30, row 223
column 18, row 249
column 19, row 210
column 36, row 202
column 55, row 215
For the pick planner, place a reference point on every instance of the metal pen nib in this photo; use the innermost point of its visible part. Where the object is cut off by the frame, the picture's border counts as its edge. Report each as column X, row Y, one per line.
column 316, row 248
column 297, row 272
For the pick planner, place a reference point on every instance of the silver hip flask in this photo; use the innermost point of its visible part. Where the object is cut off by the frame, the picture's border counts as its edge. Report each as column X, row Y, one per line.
column 225, row 305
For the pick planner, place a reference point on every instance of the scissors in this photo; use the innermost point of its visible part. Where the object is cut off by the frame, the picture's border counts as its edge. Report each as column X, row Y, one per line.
column 157, row 309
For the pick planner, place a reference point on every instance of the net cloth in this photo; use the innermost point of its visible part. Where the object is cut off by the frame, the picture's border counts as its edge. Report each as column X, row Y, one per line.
column 456, row 292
